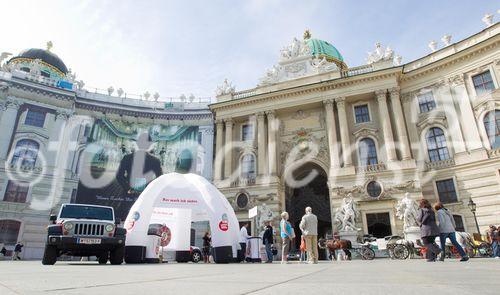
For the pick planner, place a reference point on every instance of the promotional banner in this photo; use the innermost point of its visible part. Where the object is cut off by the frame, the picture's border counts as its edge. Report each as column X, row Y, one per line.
column 174, row 227
column 115, row 166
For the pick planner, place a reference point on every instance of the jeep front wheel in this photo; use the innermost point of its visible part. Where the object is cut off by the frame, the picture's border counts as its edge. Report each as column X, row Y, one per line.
column 49, row 255
column 103, row 258
column 116, row 255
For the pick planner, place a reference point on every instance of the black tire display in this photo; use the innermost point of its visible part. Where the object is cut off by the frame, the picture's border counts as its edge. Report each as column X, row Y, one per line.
column 49, row 255
column 196, row 256
column 103, row 258
column 116, row 256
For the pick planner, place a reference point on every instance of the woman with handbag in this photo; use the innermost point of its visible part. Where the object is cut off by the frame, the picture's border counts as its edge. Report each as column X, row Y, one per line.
column 428, row 229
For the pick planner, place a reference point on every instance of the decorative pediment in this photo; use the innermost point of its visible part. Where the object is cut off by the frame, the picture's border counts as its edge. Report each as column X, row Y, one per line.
column 365, row 132
column 489, row 103
column 431, row 118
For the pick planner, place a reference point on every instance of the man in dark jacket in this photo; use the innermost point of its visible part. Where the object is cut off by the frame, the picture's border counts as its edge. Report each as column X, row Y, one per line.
column 268, row 240
column 428, row 229
column 138, row 169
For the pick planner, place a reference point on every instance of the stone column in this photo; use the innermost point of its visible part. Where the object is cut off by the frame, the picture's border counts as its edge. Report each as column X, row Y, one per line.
column 272, row 129
column 466, row 118
column 219, row 141
column 7, row 123
column 452, row 118
column 400, row 123
column 344, row 132
column 207, row 143
column 228, row 147
column 331, row 131
column 385, row 121
column 56, row 138
column 261, row 145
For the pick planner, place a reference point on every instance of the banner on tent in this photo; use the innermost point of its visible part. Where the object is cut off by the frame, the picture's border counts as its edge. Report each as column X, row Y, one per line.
column 173, row 226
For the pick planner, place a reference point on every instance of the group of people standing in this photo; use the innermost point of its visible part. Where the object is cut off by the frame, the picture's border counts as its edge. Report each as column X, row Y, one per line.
column 309, row 240
column 445, row 229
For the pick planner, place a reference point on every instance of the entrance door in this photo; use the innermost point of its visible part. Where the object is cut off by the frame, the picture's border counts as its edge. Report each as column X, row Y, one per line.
column 379, row 224
column 315, row 195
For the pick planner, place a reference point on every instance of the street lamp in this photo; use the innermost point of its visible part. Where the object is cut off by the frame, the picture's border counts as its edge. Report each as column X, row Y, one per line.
column 472, row 207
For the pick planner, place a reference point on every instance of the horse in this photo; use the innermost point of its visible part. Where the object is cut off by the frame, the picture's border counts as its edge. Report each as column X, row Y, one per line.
column 336, row 244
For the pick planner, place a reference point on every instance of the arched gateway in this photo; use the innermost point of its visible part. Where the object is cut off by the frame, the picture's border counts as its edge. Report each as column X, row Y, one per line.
column 313, row 193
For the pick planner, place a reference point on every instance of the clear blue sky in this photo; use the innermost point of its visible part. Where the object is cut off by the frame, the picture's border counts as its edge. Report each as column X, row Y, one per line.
column 176, row 47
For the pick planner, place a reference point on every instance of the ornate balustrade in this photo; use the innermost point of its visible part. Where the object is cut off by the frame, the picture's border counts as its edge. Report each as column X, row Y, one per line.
column 439, row 164
column 356, row 71
column 371, row 168
column 243, row 182
column 495, row 153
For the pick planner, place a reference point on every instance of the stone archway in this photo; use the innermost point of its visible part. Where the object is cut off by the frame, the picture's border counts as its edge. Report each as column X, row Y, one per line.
column 314, row 194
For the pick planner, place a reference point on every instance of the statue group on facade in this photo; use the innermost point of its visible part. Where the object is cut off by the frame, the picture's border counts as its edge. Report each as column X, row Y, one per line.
column 345, row 216
column 226, row 88
column 406, row 209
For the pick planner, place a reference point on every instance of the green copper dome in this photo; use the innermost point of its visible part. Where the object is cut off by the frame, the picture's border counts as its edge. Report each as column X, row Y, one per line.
column 322, row 49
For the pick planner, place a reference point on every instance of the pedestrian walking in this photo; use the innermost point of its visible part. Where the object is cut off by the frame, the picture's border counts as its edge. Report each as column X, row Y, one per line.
column 243, row 242
column 492, row 237
column 309, row 227
column 287, row 236
column 268, row 241
column 428, row 229
column 207, row 244
column 18, row 248
column 447, row 231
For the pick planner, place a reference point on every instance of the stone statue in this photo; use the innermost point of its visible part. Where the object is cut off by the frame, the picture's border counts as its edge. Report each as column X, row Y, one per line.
column 225, row 88
column 111, row 90
column 4, row 56
column 70, row 76
column 346, row 215
column 406, row 209
column 146, row 95
column 119, row 92
column 35, row 67
column 156, row 96
column 380, row 54
column 80, row 84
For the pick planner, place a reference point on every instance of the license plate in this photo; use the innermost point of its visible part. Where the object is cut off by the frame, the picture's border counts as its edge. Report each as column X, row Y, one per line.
column 88, row 241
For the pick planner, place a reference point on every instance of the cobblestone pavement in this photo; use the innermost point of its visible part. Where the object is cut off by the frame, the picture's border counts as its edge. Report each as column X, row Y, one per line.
column 380, row 276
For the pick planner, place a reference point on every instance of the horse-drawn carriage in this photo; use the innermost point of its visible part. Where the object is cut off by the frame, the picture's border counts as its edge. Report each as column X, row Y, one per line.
column 364, row 251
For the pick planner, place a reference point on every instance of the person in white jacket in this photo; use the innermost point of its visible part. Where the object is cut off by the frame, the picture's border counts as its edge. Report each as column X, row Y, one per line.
column 243, row 241
column 447, row 231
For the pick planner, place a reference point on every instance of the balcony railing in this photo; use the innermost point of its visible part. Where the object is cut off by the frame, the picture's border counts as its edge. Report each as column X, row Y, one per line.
column 356, row 71
column 371, row 168
column 243, row 182
column 495, row 153
column 440, row 164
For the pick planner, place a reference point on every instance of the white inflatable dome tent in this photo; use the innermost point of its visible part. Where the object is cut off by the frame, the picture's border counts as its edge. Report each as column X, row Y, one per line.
column 183, row 191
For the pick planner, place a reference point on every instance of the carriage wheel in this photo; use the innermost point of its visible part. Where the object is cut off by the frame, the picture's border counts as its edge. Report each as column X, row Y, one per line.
column 322, row 243
column 485, row 250
column 401, row 252
column 367, row 253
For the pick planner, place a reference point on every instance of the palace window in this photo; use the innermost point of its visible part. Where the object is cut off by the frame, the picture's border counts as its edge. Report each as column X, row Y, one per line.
column 483, row 83
column 25, row 69
column 367, row 152
column 374, row 189
column 246, row 132
column 446, row 191
column 35, row 118
column 492, row 126
column 45, row 74
column 25, row 153
column 248, row 166
column 436, row 145
column 200, row 136
column 362, row 113
column 17, row 192
column 459, row 223
column 426, row 102
column 9, row 231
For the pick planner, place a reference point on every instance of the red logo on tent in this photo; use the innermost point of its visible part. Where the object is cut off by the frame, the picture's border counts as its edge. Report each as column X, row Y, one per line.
column 223, row 225
column 166, row 236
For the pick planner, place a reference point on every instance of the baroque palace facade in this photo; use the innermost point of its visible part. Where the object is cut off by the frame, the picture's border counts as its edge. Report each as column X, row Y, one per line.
column 53, row 129
column 429, row 127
